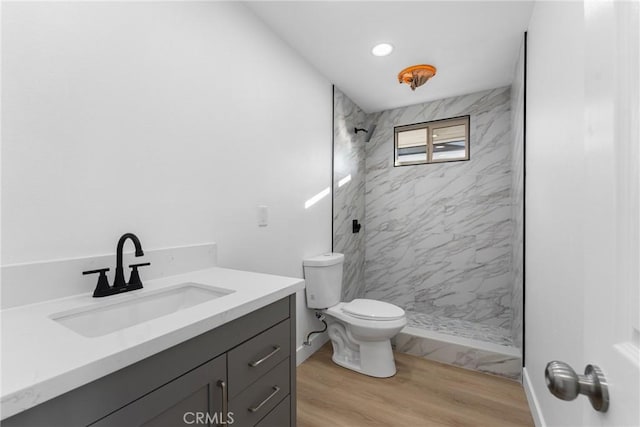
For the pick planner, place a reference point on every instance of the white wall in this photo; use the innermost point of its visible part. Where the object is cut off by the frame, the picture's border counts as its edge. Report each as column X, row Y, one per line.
column 169, row 120
column 554, row 261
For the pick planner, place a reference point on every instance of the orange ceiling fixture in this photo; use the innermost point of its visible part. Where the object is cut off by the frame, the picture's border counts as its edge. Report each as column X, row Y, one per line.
column 416, row 75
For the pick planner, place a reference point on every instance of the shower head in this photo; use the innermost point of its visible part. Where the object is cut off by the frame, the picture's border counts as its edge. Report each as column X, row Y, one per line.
column 356, row 130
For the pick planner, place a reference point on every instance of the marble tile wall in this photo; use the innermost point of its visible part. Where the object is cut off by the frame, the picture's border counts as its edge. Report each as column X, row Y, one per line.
column 468, row 355
column 348, row 199
column 517, row 198
column 438, row 237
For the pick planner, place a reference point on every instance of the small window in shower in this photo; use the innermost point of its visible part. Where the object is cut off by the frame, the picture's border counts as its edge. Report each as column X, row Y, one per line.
column 432, row 142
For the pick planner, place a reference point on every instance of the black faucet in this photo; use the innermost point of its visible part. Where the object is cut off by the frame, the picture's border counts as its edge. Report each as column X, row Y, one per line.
column 119, row 285
column 119, row 282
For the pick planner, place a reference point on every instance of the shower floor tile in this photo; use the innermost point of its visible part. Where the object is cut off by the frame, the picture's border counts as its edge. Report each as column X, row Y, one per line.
column 460, row 328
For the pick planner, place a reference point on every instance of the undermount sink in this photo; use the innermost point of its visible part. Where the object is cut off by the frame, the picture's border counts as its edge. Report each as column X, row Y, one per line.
column 132, row 309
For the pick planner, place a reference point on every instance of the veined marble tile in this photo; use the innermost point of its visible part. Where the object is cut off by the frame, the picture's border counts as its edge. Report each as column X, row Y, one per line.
column 438, row 247
column 491, row 307
column 462, row 187
column 348, row 192
column 444, row 239
column 460, row 328
column 401, row 293
column 438, row 235
column 462, row 355
column 490, row 250
column 473, row 218
column 394, row 259
column 517, row 195
column 490, row 126
column 493, row 189
column 424, row 220
column 479, row 292
column 491, row 162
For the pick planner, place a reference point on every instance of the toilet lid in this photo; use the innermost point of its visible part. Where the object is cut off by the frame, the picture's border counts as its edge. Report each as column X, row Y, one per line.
column 373, row 310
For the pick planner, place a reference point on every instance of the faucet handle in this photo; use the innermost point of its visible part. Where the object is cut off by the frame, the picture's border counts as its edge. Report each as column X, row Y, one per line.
column 99, row 270
column 142, row 264
column 134, row 279
column 102, row 288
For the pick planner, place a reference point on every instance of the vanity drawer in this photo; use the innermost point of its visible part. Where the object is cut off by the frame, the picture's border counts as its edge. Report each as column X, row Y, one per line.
column 254, row 358
column 255, row 402
column 279, row 417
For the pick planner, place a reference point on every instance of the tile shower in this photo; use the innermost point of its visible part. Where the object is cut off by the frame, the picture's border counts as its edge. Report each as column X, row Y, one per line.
column 443, row 241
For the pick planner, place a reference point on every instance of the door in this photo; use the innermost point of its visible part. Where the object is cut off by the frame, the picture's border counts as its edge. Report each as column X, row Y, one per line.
column 195, row 398
column 612, row 184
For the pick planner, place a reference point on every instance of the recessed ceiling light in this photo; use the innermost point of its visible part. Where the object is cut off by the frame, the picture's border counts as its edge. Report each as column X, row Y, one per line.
column 382, row 49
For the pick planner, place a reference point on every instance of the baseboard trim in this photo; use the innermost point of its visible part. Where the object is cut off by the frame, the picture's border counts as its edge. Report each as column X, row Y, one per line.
column 304, row 351
column 534, row 405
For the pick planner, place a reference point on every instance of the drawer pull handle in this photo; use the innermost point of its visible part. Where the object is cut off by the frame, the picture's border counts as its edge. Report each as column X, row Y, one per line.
column 225, row 402
column 276, row 349
column 276, row 389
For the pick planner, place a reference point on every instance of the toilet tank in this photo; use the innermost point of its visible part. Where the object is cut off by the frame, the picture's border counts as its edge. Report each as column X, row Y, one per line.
column 323, row 280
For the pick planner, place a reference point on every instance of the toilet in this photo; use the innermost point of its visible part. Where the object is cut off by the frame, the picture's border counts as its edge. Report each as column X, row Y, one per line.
column 360, row 330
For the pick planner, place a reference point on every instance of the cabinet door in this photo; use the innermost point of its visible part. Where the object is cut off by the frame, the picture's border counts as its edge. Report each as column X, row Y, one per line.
column 195, row 398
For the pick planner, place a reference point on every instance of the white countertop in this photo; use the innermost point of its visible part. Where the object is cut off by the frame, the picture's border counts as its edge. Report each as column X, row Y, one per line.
column 42, row 359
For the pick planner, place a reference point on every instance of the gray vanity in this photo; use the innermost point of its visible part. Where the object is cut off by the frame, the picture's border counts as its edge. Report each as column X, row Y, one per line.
column 227, row 361
column 245, row 367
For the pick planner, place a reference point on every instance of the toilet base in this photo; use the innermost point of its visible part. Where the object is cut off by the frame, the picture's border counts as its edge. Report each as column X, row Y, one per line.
column 372, row 358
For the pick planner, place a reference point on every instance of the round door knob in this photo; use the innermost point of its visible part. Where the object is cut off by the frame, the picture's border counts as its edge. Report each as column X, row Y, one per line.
column 562, row 380
column 564, row 383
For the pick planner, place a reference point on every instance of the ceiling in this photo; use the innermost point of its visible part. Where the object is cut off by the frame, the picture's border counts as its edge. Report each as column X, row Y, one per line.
column 473, row 44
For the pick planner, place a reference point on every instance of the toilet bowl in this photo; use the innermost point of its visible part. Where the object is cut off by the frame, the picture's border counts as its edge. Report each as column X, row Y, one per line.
column 360, row 330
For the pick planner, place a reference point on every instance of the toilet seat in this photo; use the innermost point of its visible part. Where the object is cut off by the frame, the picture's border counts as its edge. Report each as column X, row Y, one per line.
column 368, row 309
column 338, row 313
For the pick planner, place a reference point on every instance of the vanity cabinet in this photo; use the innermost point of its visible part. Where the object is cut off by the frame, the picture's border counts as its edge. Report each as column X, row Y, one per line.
column 245, row 368
column 177, row 403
